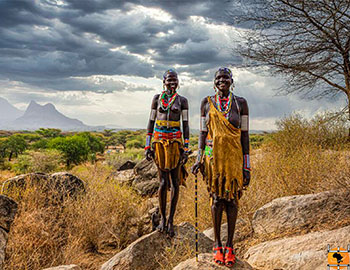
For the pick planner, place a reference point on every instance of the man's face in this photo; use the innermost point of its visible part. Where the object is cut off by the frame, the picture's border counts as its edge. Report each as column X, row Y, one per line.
column 171, row 82
column 223, row 81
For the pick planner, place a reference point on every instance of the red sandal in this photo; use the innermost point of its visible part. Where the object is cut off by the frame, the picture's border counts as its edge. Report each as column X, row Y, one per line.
column 230, row 257
column 218, row 255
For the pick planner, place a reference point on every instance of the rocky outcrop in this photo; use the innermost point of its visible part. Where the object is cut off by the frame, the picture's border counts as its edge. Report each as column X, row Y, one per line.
column 205, row 262
column 146, row 169
column 3, row 243
column 128, row 165
column 64, row 267
column 238, row 233
column 144, row 252
column 307, row 252
column 145, row 188
column 63, row 183
column 8, row 209
column 146, row 181
column 301, row 211
column 125, row 177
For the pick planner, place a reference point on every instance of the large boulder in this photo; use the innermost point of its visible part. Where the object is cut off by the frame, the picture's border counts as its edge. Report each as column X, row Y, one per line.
column 301, row 211
column 240, row 223
column 205, row 262
column 66, row 183
column 144, row 252
column 145, row 188
column 126, row 165
column 125, row 177
column 8, row 209
column 146, row 182
column 146, row 169
column 64, row 267
column 3, row 243
column 21, row 181
column 62, row 183
column 307, row 252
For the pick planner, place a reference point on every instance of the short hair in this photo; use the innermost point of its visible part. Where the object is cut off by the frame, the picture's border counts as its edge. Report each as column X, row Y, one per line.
column 224, row 69
column 169, row 71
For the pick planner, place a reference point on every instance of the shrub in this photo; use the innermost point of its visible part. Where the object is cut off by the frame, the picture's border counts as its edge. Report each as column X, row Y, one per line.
column 43, row 161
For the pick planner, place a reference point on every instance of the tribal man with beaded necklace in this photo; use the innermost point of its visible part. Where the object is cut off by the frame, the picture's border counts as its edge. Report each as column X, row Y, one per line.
column 168, row 150
column 223, row 157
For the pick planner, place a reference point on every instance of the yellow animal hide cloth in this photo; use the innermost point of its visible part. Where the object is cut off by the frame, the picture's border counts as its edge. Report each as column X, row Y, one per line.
column 224, row 164
column 168, row 151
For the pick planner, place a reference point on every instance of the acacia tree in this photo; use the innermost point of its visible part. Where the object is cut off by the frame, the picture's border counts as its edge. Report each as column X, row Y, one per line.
column 305, row 41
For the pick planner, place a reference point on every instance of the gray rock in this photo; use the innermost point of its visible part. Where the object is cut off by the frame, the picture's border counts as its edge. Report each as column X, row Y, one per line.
column 307, row 252
column 127, row 165
column 205, row 262
column 147, row 187
column 3, row 242
column 146, row 169
column 62, row 182
column 64, row 267
column 125, row 177
column 8, row 209
column 237, row 236
column 142, row 254
column 21, row 181
column 301, row 211
column 66, row 183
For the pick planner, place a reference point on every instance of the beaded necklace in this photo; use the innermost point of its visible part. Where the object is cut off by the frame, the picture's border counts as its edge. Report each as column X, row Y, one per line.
column 223, row 108
column 166, row 103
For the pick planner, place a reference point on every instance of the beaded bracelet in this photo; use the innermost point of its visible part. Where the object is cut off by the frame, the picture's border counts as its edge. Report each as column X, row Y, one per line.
column 246, row 163
column 187, row 141
column 148, row 141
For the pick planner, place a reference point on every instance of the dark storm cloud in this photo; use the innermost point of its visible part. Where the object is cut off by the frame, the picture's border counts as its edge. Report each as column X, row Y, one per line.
column 56, row 40
column 216, row 10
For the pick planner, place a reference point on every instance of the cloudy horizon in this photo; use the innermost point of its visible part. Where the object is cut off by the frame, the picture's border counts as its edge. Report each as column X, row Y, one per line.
column 102, row 61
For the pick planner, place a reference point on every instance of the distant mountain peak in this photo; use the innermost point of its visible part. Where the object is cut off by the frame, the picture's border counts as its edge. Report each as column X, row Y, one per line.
column 8, row 112
column 38, row 116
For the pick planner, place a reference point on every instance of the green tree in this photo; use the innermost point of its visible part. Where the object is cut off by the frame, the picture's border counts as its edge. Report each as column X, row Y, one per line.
column 107, row 132
column 49, row 132
column 75, row 149
column 123, row 136
column 134, row 144
column 16, row 144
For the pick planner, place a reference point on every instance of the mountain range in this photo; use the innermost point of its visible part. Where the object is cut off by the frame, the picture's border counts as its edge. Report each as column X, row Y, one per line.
column 38, row 116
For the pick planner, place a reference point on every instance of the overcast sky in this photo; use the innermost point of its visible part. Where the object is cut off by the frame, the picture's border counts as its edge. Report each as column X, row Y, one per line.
column 101, row 61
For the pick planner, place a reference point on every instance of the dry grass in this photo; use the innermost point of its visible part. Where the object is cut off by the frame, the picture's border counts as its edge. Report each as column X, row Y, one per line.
column 86, row 231
column 90, row 230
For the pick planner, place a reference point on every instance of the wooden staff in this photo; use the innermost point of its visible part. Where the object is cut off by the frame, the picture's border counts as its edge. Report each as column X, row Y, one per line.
column 196, row 212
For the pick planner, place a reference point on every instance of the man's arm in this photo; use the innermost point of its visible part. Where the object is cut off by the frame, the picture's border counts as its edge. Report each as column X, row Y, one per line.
column 150, row 127
column 202, row 136
column 245, row 141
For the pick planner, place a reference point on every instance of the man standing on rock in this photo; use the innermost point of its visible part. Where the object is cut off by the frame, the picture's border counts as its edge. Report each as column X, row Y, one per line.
column 224, row 152
column 168, row 150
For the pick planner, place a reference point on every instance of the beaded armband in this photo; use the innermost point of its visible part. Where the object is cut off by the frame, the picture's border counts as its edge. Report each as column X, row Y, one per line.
column 186, row 143
column 200, row 155
column 148, row 141
column 246, row 163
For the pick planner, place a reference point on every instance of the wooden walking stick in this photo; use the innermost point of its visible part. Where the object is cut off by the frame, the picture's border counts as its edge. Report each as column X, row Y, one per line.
column 196, row 212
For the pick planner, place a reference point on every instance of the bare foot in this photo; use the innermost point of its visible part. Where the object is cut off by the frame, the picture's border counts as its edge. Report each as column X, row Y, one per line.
column 171, row 231
column 162, row 226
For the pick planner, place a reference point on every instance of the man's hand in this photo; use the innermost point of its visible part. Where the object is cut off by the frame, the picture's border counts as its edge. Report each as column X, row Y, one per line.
column 149, row 154
column 184, row 157
column 196, row 167
column 246, row 178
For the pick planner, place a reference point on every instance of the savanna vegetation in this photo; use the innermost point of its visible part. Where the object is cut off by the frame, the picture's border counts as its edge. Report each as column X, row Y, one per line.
column 302, row 156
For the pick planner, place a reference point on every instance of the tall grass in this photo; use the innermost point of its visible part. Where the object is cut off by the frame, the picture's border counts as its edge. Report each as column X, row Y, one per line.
column 86, row 231
column 301, row 157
